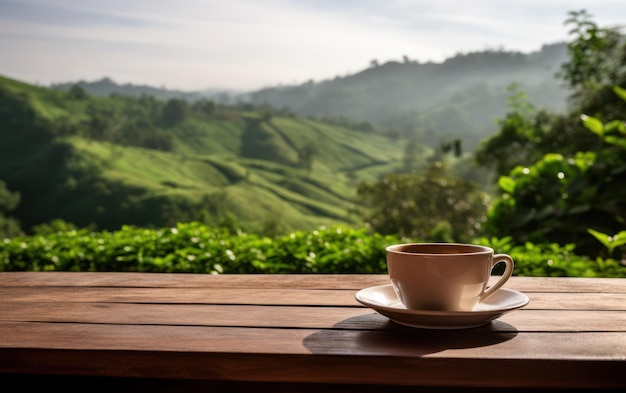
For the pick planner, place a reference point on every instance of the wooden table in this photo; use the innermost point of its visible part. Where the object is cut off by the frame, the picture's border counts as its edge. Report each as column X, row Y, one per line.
column 175, row 332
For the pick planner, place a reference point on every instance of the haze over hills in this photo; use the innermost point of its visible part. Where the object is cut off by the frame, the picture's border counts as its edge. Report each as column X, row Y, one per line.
column 408, row 84
column 460, row 98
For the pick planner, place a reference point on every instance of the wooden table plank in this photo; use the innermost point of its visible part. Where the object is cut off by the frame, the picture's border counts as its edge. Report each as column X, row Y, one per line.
column 184, row 280
column 176, row 295
column 428, row 372
column 299, row 355
column 295, row 281
column 285, row 316
column 272, row 296
column 302, row 329
column 479, row 343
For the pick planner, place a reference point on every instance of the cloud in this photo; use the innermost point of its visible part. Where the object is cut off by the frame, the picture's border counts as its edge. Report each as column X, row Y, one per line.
column 195, row 44
column 44, row 13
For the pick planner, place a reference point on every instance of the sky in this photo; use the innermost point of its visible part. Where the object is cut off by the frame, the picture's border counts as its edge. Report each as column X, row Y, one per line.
column 250, row 44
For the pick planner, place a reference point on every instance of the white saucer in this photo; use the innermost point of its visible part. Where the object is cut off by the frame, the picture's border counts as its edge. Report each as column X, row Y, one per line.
column 384, row 300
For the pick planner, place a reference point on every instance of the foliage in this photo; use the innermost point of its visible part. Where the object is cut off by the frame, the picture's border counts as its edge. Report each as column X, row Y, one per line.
column 76, row 92
column 559, row 197
column 561, row 175
column 55, row 226
column 610, row 242
column 596, row 54
column 176, row 111
column 195, row 248
column 519, row 134
column 526, row 134
column 433, row 205
column 8, row 201
column 597, row 63
column 552, row 259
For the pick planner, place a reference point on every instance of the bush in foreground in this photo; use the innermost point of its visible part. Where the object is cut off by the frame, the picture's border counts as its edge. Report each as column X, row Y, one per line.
column 196, row 248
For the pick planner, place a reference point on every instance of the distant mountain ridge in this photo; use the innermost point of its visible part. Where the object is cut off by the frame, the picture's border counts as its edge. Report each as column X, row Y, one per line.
column 460, row 98
column 425, row 84
column 106, row 86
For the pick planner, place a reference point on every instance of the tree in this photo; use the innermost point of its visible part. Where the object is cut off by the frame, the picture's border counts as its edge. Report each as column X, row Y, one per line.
column 433, row 205
column 100, row 125
column 597, row 63
column 586, row 69
column 204, row 106
column 9, row 226
column 77, row 93
column 175, row 111
column 517, row 138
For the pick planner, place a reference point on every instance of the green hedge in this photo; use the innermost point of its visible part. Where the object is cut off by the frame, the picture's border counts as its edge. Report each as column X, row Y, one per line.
column 196, row 248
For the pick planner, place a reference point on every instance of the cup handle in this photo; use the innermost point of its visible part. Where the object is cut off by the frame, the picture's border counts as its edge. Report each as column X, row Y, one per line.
column 508, row 272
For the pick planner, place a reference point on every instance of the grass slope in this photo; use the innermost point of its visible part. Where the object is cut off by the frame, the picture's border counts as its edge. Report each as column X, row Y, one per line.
column 243, row 166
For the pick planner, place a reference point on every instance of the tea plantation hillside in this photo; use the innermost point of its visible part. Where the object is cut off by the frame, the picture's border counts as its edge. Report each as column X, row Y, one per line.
column 111, row 161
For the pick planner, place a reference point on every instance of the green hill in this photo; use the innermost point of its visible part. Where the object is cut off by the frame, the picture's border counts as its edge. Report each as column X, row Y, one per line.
column 459, row 98
column 112, row 161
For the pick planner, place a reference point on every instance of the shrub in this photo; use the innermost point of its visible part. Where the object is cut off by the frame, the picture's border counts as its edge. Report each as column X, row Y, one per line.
column 195, row 248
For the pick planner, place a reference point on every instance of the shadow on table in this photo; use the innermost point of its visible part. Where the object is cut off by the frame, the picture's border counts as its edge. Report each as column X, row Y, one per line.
column 374, row 334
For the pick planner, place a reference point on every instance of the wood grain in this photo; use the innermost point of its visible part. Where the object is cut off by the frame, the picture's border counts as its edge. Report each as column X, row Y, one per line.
column 308, row 281
column 301, row 329
column 272, row 296
column 526, row 319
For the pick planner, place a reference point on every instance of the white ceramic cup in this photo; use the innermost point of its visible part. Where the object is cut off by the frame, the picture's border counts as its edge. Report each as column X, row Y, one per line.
column 444, row 276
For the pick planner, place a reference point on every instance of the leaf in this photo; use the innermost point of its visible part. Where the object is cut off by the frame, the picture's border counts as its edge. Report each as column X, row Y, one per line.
column 592, row 124
column 601, row 237
column 610, row 242
column 616, row 141
column 507, row 184
column 618, row 125
column 621, row 92
column 619, row 239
